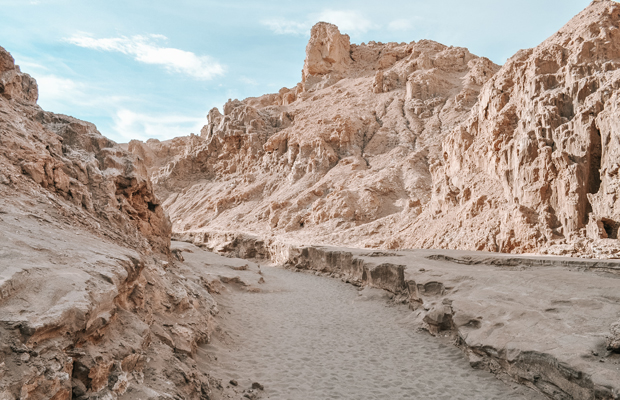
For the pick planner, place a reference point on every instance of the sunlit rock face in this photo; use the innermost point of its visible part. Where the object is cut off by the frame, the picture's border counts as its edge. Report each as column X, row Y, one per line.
column 344, row 157
column 541, row 144
column 91, row 300
column 402, row 145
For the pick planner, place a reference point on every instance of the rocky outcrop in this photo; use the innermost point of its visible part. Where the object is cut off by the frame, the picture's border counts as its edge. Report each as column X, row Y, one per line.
column 613, row 340
column 416, row 145
column 533, row 165
column 92, row 304
column 339, row 158
column 72, row 159
column 15, row 85
column 327, row 52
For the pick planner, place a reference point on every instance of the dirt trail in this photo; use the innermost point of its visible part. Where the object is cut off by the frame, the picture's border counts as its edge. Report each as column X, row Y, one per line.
column 311, row 337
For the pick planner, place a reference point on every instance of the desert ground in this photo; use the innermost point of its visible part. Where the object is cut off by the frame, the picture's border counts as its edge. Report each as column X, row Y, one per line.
column 303, row 336
column 410, row 220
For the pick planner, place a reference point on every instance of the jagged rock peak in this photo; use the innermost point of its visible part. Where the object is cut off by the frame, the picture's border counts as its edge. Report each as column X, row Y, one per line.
column 327, row 51
column 14, row 84
column 600, row 18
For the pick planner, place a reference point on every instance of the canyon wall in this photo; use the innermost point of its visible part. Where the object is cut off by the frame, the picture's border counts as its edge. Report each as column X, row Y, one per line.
column 403, row 145
column 93, row 303
column 536, row 159
column 339, row 158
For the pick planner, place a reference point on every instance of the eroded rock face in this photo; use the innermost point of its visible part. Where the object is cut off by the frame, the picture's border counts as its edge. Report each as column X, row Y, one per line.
column 536, row 157
column 417, row 145
column 71, row 158
column 328, row 51
column 613, row 340
column 91, row 303
column 15, row 85
column 339, row 158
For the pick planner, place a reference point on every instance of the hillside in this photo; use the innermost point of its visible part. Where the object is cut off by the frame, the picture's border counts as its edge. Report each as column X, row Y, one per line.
column 415, row 145
column 93, row 303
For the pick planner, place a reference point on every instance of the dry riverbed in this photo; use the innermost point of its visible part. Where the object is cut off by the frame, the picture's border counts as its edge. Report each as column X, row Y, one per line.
column 311, row 337
column 302, row 336
column 547, row 322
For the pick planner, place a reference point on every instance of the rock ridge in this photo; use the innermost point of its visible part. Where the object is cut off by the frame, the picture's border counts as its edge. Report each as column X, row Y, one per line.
column 344, row 153
column 407, row 145
column 94, row 305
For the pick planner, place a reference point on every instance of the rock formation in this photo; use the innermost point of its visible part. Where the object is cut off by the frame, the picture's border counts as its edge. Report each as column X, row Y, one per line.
column 92, row 303
column 335, row 159
column 328, row 52
column 415, row 145
column 613, row 340
column 533, row 165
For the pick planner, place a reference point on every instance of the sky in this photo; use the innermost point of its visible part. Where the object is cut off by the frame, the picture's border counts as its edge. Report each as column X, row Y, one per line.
column 153, row 69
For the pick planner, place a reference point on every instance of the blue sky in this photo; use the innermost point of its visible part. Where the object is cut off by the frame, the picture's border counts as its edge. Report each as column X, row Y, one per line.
column 140, row 69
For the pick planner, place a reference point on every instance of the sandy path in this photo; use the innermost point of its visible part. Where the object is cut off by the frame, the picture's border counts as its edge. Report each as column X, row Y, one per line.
column 310, row 337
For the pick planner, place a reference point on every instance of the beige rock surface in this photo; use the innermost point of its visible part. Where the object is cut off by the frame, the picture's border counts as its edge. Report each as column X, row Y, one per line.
column 416, row 145
column 510, row 314
column 613, row 340
column 533, row 164
column 93, row 305
column 71, row 159
column 336, row 159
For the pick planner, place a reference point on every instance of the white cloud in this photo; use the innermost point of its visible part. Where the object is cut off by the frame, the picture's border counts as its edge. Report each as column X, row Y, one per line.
column 29, row 65
column 400, row 25
column 66, row 95
column 146, row 50
column 248, row 81
column 132, row 125
column 56, row 92
column 284, row 27
column 347, row 21
column 54, row 88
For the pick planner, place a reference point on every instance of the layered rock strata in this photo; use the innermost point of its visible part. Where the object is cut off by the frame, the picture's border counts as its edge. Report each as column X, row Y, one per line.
column 93, row 305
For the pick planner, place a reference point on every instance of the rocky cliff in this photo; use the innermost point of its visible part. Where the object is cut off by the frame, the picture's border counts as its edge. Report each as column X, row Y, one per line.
column 337, row 158
column 92, row 302
column 415, row 145
column 535, row 163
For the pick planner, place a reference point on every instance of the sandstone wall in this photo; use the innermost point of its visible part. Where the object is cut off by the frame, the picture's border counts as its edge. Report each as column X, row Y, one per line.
column 71, row 158
column 338, row 158
column 93, row 305
column 536, row 155
column 416, row 145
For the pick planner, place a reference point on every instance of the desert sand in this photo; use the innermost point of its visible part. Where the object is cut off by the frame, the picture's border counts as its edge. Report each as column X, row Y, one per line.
column 310, row 337
column 547, row 322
